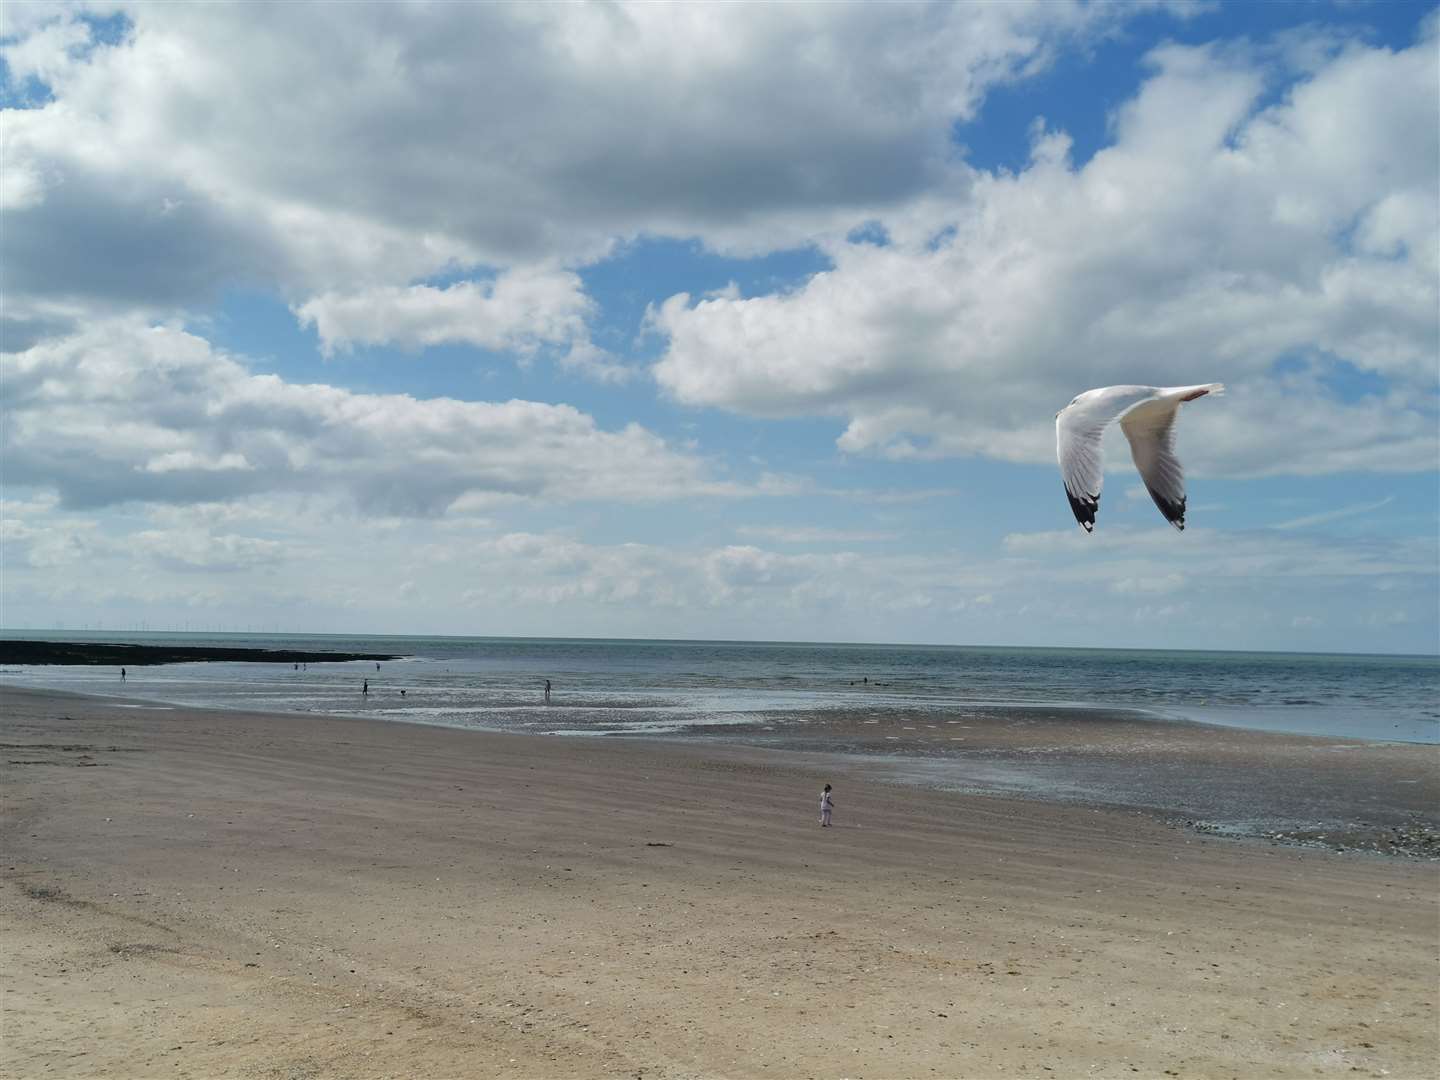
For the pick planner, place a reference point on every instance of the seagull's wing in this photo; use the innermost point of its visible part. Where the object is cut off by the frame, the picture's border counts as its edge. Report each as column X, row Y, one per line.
column 1082, row 464
column 1150, row 427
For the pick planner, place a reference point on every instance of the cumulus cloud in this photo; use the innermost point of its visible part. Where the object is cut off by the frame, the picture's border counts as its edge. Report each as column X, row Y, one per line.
column 515, row 311
column 125, row 411
column 520, row 312
column 1216, row 237
column 213, row 143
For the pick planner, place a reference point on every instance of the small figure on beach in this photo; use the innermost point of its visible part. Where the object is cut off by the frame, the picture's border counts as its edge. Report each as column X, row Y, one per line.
column 377, row 665
column 365, row 686
column 402, row 693
column 827, row 803
column 122, row 674
column 547, row 691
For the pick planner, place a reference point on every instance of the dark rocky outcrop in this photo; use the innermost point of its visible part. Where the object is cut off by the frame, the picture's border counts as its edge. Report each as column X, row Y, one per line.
column 97, row 653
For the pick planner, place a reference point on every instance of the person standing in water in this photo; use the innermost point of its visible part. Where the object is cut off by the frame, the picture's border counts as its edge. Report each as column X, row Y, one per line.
column 122, row 674
column 547, row 691
column 826, row 805
column 365, row 686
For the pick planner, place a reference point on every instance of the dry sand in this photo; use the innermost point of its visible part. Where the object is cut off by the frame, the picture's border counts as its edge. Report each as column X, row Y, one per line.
column 205, row 894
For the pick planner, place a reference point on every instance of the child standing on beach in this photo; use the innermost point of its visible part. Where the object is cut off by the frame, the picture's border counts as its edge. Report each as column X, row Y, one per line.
column 826, row 805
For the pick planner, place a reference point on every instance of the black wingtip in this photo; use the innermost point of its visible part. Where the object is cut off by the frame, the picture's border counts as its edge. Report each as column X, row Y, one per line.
column 1084, row 509
column 1174, row 510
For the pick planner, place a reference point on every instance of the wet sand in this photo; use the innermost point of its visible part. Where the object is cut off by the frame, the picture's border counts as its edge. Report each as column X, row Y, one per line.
column 199, row 894
column 1345, row 794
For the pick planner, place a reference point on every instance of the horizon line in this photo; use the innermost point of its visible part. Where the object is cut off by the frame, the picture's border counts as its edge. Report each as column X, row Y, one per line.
column 704, row 641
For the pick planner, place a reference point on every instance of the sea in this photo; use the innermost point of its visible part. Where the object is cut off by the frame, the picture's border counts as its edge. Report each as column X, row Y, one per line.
column 606, row 688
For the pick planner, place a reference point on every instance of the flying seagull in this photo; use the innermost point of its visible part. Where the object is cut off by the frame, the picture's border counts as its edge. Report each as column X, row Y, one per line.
column 1147, row 416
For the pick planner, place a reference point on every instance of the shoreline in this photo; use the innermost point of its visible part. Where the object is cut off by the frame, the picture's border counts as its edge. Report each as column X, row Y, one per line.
column 197, row 894
column 467, row 681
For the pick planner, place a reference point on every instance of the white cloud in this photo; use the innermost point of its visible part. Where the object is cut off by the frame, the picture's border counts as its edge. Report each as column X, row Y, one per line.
column 45, row 548
column 216, row 144
column 318, row 527
column 190, row 461
column 1215, row 237
column 124, row 411
column 519, row 312
column 304, row 561
column 204, row 550
column 741, row 571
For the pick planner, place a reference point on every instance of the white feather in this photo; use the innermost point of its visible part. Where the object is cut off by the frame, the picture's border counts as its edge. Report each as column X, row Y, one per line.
column 1147, row 416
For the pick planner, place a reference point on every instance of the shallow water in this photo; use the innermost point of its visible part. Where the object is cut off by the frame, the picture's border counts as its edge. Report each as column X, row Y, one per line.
column 667, row 686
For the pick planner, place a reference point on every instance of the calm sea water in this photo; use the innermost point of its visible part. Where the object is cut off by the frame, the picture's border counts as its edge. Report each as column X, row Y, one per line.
column 653, row 687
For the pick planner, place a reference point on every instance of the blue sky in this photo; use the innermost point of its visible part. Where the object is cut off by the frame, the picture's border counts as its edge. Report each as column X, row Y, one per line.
column 719, row 320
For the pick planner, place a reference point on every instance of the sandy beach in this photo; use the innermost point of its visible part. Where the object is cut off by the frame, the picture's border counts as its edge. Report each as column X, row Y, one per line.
column 205, row 894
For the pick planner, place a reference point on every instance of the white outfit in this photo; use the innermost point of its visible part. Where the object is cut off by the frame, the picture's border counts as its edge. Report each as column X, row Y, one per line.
column 825, row 807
